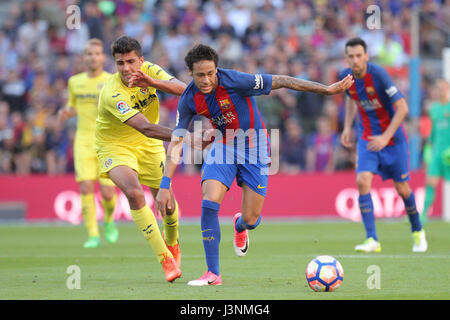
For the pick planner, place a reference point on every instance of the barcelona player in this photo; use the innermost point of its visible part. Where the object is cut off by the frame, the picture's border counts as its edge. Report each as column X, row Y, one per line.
column 240, row 149
column 382, row 146
column 83, row 89
column 129, row 143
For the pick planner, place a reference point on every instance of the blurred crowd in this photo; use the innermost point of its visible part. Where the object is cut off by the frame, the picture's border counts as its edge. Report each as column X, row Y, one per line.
column 40, row 50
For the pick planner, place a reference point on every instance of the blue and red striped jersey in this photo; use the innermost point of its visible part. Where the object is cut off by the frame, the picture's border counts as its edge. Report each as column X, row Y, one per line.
column 375, row 95
column 231, row 106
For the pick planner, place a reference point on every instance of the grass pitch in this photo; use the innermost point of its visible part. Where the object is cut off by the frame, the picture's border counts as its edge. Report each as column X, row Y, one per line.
column 34, row 260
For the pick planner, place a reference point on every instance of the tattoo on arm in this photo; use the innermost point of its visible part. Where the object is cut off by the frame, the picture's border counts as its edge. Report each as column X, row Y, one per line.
column 281, row 81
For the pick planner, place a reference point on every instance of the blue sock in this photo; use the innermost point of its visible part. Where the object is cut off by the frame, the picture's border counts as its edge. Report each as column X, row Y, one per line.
column 413, row 214
column 366, row 207
column 241, row 225
column 211, row 234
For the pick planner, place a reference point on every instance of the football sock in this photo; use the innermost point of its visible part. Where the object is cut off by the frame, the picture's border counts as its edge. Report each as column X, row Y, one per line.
column 366, row 207
column 146, row 222
column 241, row 225
column 413, row 215
column 211, row 234
column 429, row 199
column 170, row 223
column 108, row 207
column 89, row 214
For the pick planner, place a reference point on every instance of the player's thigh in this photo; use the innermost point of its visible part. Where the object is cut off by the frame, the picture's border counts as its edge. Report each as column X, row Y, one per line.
column 395, row 162
column 85, row 163
column 254, row 176
column 111, row 156
column 151, row 165
column 216, row 180
column 366, row 160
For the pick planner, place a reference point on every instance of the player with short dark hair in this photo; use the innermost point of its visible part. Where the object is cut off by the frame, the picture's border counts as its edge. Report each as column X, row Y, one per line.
column 382, row 146
column 129, row 145
column 240, row 150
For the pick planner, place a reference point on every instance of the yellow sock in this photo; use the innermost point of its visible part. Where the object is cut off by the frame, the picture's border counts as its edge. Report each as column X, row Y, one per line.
column 146, row 222
column 108, row 207
column 89, row 214
column 171, row 227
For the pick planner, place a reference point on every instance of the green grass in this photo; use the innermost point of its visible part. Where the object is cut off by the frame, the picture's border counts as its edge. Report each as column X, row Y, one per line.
column 34, row 260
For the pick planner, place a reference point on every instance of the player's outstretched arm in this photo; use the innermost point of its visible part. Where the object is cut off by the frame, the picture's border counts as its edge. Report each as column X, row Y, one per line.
column 281, row 81
column 163, row 198
column 172, row 86
column 151, row 130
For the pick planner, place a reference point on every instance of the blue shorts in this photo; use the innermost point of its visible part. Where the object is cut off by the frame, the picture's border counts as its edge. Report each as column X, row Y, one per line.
column 254, row 175
column 392, row 162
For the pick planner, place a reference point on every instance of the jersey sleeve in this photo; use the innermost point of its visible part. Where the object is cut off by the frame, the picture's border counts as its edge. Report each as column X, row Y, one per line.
column 156, row 72
column 118, row 105
column 71, row 101
column 388, row 85
column 184, row 116
column 250, row 84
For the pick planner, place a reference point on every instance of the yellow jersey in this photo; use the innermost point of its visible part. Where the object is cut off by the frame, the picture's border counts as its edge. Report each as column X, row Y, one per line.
column 83, row 97
column 118, row 103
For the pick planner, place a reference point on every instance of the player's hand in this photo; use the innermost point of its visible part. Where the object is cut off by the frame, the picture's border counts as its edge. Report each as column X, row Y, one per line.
column 139, row 79
column 346, row 137
column 341, row 86
column 377, row 143
column 163, row 201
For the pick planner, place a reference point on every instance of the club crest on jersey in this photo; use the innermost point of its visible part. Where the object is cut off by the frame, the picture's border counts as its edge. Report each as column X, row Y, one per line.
column 108, row 163
column 144, row 90
column 123, row 107
column 225, row 104
column 370, row 90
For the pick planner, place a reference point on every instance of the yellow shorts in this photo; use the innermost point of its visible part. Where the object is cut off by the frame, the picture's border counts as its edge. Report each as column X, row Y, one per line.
column 86, row 165
column 146, row 159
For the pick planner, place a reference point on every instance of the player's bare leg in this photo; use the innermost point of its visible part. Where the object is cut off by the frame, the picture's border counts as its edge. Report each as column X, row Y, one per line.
column 404, row 190
column 171, row 223
column 89, row 213
column 213, row 193
column 252, row 204
column 109, row 200
column 364, row 184
column 127, row 180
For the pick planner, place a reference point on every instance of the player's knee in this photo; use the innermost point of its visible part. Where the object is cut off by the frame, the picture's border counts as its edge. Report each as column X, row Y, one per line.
column 86, row 187
column 363, row 184
column 135, row 195
column 403, row 190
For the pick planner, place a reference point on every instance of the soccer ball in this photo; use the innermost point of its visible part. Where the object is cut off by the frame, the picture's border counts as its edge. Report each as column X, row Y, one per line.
column 324, row 273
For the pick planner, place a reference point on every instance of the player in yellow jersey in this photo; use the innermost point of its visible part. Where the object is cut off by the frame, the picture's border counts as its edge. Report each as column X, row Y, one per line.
column 129, row 143
column 84, row 89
